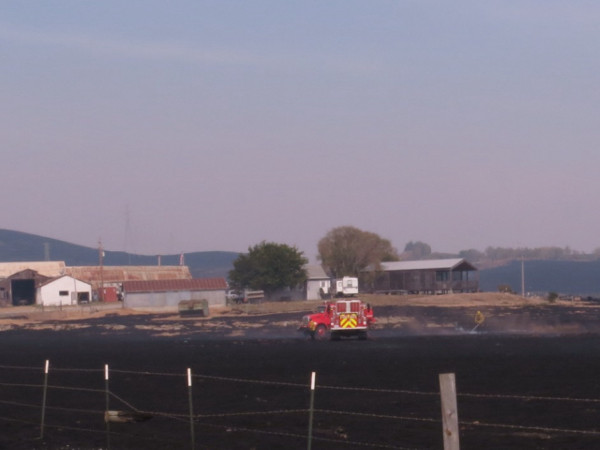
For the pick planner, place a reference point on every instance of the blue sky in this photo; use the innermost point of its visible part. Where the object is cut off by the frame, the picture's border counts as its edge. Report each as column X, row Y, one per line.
column 161, row 127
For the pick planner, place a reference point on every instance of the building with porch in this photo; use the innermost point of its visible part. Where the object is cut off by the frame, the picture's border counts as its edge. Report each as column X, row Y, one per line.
column 436, row 276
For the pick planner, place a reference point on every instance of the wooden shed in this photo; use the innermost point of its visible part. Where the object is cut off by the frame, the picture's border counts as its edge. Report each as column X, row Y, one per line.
column 436, row 276
column 20, row 288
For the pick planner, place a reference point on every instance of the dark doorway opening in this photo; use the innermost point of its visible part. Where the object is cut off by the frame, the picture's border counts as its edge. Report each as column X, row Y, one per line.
column 23, row 292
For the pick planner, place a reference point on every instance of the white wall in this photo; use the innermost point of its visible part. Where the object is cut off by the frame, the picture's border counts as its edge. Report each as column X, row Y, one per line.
column 49, row 294
column 313, row 287
column 171, row 298
column 308, row 291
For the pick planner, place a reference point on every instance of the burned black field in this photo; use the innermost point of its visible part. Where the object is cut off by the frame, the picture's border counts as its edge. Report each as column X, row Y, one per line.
column 526, row 379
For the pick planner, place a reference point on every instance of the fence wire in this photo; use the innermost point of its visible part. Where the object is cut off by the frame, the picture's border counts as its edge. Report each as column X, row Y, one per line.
column 200, row 419
column 295, row 385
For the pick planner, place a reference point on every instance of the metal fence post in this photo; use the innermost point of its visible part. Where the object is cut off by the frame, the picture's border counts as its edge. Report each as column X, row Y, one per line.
column 311, row 410
column 46, row 367
column 191, row 403
column 449, row 411
column 107, row 396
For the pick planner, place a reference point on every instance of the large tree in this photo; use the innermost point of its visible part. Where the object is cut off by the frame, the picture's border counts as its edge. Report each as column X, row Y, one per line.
column 348, row 250
column 268, row 266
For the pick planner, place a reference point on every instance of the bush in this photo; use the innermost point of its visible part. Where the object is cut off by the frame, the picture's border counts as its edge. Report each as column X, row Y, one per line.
column 552, row 296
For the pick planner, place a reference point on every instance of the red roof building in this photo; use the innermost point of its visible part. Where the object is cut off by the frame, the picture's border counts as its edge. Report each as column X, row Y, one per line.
column 195, row 284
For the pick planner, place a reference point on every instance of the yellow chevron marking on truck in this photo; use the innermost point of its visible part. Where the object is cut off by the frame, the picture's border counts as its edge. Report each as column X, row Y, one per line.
column 348, row 321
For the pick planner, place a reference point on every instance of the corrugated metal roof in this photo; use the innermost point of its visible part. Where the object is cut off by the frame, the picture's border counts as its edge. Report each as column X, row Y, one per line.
column 52, row 280
column 118, row 274
column 196, row 284
column 45, row 268
column 315, row 272
column 441, row 264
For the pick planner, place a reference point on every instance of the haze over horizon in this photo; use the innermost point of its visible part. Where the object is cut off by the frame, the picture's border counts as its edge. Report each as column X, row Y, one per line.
column 197, row 126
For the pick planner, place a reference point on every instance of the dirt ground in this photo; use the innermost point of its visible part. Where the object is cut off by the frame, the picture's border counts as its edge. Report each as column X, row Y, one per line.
column 526, row 378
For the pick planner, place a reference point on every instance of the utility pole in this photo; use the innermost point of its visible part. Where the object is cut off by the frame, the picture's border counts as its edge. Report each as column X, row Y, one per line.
column 101, row 266
column 522, row 277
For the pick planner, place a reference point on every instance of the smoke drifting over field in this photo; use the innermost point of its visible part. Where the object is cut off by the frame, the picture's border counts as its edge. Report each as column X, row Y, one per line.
column 392, row 321
column 533, row 320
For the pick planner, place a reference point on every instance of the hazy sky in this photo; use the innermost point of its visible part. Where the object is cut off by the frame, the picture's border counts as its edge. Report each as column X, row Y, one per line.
column 161, row 127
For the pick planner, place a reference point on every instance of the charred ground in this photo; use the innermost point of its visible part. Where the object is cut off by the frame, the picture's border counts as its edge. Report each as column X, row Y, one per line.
column 529, row 351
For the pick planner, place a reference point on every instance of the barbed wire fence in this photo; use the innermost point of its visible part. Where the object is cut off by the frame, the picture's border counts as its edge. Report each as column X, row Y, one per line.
column 145, row 409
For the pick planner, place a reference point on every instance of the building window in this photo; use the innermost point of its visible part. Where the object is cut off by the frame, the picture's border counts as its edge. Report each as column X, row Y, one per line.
column 63, row 293
column 441, row 275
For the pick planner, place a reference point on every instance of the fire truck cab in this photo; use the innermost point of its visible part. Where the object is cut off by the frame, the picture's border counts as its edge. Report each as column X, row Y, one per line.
column 340, row 318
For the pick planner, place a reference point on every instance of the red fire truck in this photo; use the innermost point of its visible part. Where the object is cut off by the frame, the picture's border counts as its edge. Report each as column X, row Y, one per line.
column 337, row 319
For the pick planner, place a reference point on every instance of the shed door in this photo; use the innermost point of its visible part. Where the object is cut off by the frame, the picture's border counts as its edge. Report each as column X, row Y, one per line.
column 23, row 292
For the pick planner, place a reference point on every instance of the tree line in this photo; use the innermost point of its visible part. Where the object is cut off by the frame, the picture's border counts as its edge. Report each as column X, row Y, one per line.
column 347, row 251
column 343, row 251
column 537, row 253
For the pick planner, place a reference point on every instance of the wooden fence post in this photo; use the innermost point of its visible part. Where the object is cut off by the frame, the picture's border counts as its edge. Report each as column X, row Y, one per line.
column 311, row 410
column 191, row 405
column 449, row 411
column 107, row 401
column 46, row 367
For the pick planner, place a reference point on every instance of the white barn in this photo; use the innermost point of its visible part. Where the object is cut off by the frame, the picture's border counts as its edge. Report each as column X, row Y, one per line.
column 63, row 291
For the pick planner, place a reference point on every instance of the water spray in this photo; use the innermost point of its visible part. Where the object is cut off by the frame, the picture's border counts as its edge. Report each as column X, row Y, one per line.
column 479, row 319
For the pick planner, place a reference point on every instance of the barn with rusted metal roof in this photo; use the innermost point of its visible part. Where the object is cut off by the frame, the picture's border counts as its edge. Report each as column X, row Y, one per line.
column 107, row 280
column 168, row 293
column 20, row 280
column 109, row 275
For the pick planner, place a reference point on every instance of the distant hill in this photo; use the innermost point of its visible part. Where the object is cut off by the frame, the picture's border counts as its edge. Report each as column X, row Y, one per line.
column 17, row 246
column 541, row 277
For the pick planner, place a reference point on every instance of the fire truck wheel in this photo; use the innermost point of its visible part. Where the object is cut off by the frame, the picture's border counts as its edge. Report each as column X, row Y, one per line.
column 320, row 332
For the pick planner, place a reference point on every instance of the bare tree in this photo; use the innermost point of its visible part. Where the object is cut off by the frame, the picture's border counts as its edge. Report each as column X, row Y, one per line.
column 348, row 250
